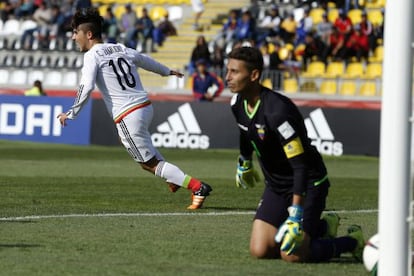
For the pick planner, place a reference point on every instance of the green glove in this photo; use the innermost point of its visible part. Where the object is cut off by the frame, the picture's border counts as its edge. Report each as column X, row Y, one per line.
column 246, row 176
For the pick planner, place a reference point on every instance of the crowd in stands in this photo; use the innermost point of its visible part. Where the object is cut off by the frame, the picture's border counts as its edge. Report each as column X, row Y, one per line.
column 290, row 38
column 50, row 21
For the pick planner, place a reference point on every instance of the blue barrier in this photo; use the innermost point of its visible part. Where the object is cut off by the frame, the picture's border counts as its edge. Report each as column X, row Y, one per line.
column 34, row 119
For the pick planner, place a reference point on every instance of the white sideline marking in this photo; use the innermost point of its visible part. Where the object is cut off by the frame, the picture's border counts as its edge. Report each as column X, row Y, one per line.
column 229, row 213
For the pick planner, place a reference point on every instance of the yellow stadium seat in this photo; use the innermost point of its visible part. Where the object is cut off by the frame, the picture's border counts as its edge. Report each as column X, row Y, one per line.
column 315, row 69
column 119, row 10
column 373, row 70
column 102, row 9
column 334, row 69
column 309, row 86
column 316, row 15
column 375, row 16
column 290, row 85
column 368, row 89
column 354, row 70
column 348, row 88
column 355, row 16
column 267, row 83
column 328, row 87
column 283, row 53
column 375, row 4
column 378, row 54
column 331, row 5
column 333, row 14
column 138, row 11
column 157, row 12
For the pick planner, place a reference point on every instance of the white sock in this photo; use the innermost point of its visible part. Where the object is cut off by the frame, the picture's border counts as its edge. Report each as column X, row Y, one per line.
column 170, row 173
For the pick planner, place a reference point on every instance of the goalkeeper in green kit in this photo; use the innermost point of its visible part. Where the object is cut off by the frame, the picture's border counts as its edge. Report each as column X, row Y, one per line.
column 289, row 221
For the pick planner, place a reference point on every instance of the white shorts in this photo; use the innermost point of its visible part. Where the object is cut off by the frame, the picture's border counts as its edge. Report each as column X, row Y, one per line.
column 197, row 5
column 135, row 136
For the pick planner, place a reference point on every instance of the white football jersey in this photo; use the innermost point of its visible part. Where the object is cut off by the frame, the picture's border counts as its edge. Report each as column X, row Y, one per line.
column 113, row 67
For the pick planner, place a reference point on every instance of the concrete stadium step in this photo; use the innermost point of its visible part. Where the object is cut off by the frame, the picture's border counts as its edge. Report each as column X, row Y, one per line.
column 176, row 51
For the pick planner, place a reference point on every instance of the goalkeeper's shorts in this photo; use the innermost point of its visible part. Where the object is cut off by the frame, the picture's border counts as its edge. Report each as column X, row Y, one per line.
column 273, row 208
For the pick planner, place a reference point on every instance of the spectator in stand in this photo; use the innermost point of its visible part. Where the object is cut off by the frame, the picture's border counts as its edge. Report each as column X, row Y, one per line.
column 304, row 27
column 43, row 17
column 198, row 9
column 228, row 32
column 270, row 25
column 128, row 26
column 206, row 85
column 324, row 29
column 58, row 26
column 200, row 52
column 343, row 24
column 36, row 90
column 246, row 27
column 288, row 28
column 273, row 64
column 165, row 28
column 26, row 8
column 81, row 4
column 357, row 45
column 6, row 9
column 110, row 26
column 367, row 29
column 217, row 59
column 314, row 47
column 145, row 30
column 335, row 47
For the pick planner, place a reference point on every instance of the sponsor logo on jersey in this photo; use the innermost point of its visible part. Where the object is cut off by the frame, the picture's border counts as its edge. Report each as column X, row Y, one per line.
column 181, row 130
column 321, row 134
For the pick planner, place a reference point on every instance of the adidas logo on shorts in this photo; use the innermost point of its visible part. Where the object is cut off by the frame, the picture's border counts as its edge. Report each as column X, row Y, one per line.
column 181, row 130
column 321, row 134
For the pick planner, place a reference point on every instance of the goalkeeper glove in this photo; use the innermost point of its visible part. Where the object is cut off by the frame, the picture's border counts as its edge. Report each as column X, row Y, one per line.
column 290, row 233
column 246, row 176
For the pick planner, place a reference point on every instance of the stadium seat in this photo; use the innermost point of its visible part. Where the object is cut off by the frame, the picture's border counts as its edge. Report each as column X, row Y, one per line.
column 328, row 87
column 119, row 10
column 315, row 69
column 157, row 12
column 61, row 61
column 368, row 89
column 53, row 78
column 267, row 83
column 9, row 60
column 290, row 85
column 26, row 61
column 18, row 77
column 354, row 70
column 102, row 9
column 70, row 79
column 309, row 86
column 43, row 61
column 376, row 17
column 10, row 32
column 355, row 16
column 375, row 4
column 333, row 14
column 316, row 15
column 4, row 76
column 335, row 69
column 175, row 13
column 35, row 75
column 348, row 88
column 373, row 70
column 378, row 54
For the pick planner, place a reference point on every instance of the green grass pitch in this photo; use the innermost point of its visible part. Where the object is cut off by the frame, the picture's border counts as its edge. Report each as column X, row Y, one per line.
column 50, row 196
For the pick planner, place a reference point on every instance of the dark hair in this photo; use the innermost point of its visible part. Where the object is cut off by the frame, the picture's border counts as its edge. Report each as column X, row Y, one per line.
column 250, row 55
column 90, row 20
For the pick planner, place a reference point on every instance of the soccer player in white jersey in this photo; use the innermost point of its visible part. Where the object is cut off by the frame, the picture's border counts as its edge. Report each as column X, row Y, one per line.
column 113, row 68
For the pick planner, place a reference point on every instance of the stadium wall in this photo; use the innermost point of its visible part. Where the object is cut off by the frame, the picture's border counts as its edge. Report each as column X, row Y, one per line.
column 335, row 127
